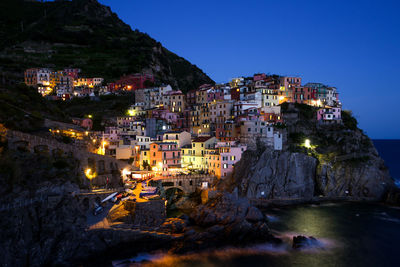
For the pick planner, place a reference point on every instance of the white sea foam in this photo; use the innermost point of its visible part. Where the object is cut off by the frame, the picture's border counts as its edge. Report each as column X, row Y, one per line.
column 272, row 218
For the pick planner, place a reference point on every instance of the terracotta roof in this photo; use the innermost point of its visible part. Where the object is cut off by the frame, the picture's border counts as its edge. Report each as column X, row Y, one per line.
column 201, row 139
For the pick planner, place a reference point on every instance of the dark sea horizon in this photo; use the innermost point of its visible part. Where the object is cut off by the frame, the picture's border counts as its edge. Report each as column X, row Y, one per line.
column 389, row 151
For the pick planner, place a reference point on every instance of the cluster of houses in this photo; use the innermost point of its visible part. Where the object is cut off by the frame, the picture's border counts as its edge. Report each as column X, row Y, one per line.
column 66, row 84
column 208, row 129
column 205, row 130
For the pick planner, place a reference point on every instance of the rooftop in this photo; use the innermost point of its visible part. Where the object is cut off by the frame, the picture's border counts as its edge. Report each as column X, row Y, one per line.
column 201, row 139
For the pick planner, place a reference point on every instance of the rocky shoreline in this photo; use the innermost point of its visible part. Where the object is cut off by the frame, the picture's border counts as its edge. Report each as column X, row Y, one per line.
column 225, row 220
column 56, row 234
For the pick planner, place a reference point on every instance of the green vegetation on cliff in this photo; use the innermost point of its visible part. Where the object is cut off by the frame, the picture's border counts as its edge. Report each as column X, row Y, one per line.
column 24, row 109
column 84, row 34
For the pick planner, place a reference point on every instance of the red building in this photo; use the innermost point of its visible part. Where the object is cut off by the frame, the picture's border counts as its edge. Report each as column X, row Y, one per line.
column 215, row 94
column 183, row 121
column 272, row 117
column 73, row 73
column 303, row 95
column 131, row 82
column 226, row 131
column 235, row 93
column 191, row 97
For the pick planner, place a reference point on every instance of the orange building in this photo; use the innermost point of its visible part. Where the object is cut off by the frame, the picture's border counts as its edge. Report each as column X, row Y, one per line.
column 164, row 156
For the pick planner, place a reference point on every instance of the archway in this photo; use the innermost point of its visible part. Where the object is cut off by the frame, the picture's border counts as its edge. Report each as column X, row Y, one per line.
column 174, row 194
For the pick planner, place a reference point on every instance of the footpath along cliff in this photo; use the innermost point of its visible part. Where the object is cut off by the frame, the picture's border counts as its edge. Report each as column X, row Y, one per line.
column 341, row 162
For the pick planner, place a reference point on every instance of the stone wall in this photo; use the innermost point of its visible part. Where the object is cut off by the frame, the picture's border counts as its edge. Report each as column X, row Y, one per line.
column 146, row 214
column 104, row 166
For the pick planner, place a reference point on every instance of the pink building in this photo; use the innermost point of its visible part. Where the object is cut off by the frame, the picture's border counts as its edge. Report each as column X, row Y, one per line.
column 125, row 121
column 289, row 82
column 167, row 115
column 223, row 158
column 329, row 114
column 259, row 77
column 84, row 123
column 215, row 94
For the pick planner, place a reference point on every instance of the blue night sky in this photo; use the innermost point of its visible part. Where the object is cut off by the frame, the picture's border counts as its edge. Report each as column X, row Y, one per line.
column 353, row 45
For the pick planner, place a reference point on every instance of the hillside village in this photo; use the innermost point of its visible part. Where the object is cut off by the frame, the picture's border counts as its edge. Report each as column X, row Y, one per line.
column 167, row 132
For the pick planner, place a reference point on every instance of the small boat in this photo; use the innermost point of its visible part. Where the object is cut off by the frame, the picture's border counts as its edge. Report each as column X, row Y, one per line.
column 109, row 197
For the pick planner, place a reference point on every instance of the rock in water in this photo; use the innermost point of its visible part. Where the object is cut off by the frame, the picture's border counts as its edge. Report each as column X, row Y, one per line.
column 301, row 241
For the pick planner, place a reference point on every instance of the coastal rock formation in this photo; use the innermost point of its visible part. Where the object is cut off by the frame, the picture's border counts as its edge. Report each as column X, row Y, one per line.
column 342, row 162
column 358, row 179
column 281, row 175
column 36, row 232
column 295, row 175
column 226, row 219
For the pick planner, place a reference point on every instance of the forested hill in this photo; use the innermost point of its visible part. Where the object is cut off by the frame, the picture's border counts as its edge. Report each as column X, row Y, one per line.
column 88, row 35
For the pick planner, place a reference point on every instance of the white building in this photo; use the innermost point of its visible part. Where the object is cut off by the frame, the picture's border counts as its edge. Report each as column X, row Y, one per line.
column 277, row 141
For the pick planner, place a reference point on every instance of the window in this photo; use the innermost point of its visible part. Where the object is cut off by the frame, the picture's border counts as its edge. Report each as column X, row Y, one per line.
column 249, row 129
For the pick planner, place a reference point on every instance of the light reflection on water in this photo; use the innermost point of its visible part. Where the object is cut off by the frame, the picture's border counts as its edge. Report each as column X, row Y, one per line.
column 345, row 239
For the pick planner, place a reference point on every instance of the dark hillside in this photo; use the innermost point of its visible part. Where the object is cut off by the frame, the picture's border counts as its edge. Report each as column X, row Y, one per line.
column 87, row 35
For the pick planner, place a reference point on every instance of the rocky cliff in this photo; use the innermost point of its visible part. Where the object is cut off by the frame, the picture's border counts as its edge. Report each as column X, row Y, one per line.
column 341, row 162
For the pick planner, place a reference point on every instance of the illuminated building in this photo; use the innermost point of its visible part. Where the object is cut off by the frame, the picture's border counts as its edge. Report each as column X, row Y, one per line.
column 37, row 76
column 223, row 157
column 163, row 156
column 194, row 155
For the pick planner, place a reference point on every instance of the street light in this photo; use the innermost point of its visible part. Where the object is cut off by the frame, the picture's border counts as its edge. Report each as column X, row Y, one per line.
column 307, row 143
column 90, row 176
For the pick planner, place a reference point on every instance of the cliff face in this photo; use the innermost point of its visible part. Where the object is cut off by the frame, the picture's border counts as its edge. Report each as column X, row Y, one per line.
column 40, row 233
column 342, row 162
column 294, row 175
column 84, row 34
column 277, row 175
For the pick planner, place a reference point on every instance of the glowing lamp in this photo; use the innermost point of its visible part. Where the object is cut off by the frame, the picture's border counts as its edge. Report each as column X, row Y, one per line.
column 125, row 172
column 89, row 174
column 131, row 112
column 307, row 143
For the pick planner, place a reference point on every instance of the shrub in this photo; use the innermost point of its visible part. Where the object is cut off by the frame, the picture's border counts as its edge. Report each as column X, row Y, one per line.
column 306, row 111
column 348, row 120
column 297, row 138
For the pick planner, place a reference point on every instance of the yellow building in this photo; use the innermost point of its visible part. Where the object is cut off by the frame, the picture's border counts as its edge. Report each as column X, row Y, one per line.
column 201, row 96
column 195, row 122
column 193, row 156
column 144, row 158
